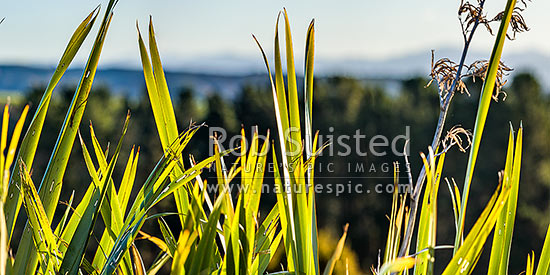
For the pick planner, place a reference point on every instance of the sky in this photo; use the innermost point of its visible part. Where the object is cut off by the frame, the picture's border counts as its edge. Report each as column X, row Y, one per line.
column 36, row 31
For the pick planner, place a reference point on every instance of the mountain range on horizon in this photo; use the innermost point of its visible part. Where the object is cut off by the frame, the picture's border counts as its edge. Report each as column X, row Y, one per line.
column 227, row 74
column 406, row 65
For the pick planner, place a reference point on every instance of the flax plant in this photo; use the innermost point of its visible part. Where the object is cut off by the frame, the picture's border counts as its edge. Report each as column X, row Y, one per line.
column 297, row 199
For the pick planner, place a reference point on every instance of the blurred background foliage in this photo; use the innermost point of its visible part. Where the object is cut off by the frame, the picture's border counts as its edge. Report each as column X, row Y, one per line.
column 342, row 105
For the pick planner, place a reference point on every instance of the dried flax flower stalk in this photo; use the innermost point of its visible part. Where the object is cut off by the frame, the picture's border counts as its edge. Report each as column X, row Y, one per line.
column 444, row 72
column 517, row 23
column 478, row 69
column 457, row 136
column 469, row 13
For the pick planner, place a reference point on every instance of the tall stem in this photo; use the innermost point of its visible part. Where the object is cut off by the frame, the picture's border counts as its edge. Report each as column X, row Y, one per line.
column 415, row 195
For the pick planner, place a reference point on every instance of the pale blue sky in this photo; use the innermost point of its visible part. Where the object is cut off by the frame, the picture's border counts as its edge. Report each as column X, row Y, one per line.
column 36, row 31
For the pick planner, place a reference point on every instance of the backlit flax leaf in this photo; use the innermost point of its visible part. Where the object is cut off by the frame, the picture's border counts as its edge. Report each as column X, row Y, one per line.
column 511, row 209
column 111, row 211
column 293, row 106
column 337, row 253
column 185, row 241
column 155, row 188
column 8, row 159
column 544, row 262
column 168, row 236
column 497, row 250
column 298, row 217
column 397, row 265
column 79, row 242
column 138, row 261
column 50, row 187
column 483, row 109
column 463, row 262
column 44, row 239
column 30, row 140
column 161, row 104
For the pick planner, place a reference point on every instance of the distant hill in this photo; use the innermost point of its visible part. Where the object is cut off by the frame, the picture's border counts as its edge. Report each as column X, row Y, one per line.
column 227, row 74
column 398, row 67
column 130, row 82
column 126, row 82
